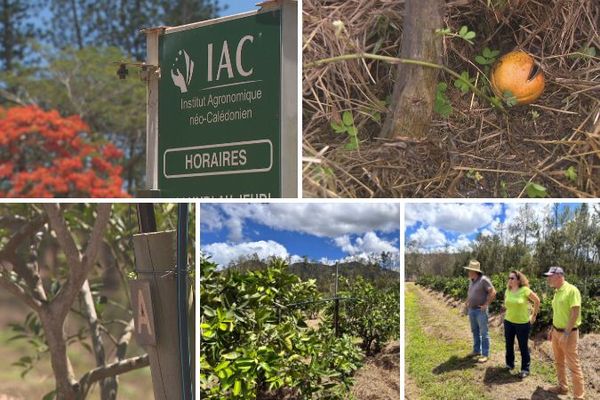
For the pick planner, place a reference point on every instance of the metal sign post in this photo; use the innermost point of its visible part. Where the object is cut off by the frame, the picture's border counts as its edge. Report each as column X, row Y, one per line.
column 182, row 300
column 222, row 116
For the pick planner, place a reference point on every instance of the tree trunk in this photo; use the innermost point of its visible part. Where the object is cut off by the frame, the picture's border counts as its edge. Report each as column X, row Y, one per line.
column 78, row 35
column 414, row 92
column 61, row 366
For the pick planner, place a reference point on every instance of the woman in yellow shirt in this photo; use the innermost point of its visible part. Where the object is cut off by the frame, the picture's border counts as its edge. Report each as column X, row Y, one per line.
column 518, row 320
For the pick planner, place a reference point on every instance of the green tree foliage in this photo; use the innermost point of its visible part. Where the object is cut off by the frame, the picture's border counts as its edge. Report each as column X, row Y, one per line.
column 85, row 23
column 16, row 30
column 372, row 315
column 255, row 341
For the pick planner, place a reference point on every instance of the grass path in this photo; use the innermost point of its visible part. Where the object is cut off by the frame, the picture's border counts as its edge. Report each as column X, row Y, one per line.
column 438, row 339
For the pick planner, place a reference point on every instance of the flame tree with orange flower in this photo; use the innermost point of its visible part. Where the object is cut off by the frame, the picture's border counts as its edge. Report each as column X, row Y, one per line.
column 43, row 154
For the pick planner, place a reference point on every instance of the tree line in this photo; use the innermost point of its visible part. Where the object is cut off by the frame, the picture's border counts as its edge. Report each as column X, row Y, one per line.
column 565, row 236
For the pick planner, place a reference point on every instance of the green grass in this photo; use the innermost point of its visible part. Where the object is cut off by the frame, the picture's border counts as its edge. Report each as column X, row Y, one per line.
column 439, row 368
column 425, row 353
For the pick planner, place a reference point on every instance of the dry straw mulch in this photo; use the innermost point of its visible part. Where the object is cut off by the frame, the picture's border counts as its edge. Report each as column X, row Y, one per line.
column 476, row 151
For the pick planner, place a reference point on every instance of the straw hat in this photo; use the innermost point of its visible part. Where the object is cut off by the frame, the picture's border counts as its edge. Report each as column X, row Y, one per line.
column 474, row 266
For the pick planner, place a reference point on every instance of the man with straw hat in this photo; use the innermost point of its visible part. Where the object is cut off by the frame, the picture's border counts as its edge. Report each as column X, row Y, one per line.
column 480, row 296
column 566, row 318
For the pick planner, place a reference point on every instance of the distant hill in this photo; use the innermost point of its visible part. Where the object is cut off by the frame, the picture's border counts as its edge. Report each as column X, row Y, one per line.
column 325, row 274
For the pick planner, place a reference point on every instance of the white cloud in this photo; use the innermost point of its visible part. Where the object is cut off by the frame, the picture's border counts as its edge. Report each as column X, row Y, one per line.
column 432, row 240
column 430, row 237
column 224, row 253
column 461, row 218
column 210, row 217
column 537, row 211
column 322, row 220
column 462, row 243
column 295, row 259
column 369, row 243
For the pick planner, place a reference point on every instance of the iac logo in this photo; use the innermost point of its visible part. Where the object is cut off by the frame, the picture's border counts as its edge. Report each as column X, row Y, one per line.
column 182, row 80
column 230, row 63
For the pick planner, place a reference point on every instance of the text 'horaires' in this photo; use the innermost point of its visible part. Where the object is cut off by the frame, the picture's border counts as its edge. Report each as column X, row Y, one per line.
column 216, row 159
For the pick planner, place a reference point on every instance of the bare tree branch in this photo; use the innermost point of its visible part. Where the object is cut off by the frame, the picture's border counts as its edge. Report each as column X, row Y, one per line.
column 63, row 235
column 19, row 292
column 108, row 386
column 110, row 370
column 79, row 266
column 124, row 340
column 29, row 274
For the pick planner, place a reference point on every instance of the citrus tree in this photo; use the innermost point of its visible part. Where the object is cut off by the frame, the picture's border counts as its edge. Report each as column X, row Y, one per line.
column 255, row 342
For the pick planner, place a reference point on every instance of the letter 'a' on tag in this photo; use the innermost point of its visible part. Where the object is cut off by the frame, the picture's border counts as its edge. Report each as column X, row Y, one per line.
column 143, row 313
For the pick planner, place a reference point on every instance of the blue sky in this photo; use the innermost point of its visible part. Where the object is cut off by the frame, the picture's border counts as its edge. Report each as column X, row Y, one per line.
column 238, row 6
column 453, row 227
column 321, row 231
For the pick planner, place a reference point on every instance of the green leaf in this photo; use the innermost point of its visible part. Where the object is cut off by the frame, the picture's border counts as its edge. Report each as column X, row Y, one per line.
column 470, row 35
column 463, row 30
column 442, row 104
column 535, row 190
column 237, row 388
column 231, row 356
column 353, row 144
column 222, row 365
column 338, row 127
column 481, row 60
column 347, row 118
column 462, row 83
column 571, row 174
column 509, row 98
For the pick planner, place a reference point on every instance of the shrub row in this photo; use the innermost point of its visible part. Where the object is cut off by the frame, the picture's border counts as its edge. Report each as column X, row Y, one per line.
column 457, row 287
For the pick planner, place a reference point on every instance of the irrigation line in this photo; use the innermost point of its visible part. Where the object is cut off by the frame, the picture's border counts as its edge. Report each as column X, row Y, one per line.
column 320, row 301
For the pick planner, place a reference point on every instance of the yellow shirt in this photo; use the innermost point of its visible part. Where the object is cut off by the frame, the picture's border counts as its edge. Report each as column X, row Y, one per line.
column 565, row 298
column 517, row 305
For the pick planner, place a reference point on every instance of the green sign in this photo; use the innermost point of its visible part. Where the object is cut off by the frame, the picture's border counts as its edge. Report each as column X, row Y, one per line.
column 219, row 108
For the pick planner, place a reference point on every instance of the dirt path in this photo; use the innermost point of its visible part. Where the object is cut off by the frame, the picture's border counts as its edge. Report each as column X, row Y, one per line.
column 443, row 323
column 379, row 378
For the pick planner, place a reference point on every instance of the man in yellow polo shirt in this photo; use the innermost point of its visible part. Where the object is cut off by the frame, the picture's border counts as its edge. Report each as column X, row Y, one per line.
column 566, row 318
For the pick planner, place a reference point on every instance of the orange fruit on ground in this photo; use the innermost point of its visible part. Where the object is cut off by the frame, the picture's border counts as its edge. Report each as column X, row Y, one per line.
column 518, row 73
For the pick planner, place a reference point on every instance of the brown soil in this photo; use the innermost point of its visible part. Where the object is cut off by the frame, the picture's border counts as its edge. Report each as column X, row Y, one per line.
column 379, row 378
column 499, row 384
column 411, row 390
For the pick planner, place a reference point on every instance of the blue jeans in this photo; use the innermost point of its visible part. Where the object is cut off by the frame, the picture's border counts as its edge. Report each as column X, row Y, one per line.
column 521, row 331
column 479, row 328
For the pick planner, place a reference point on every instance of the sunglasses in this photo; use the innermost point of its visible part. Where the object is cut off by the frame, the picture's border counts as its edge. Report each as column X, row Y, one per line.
column 511, row 278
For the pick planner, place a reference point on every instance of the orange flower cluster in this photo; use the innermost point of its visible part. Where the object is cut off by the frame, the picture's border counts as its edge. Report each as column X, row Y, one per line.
column 45, row 155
